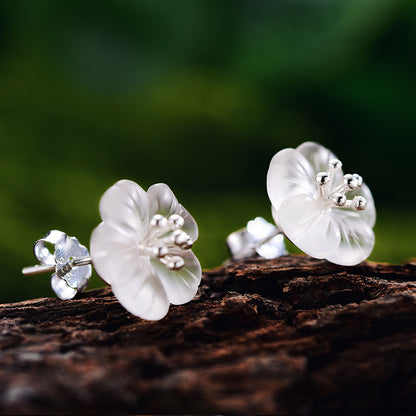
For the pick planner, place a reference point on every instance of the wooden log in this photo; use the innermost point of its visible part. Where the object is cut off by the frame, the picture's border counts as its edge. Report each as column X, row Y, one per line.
column 287, row 336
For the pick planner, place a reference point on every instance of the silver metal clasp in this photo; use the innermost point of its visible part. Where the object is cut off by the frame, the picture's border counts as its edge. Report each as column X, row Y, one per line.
column 258, row 238
column 69, row 263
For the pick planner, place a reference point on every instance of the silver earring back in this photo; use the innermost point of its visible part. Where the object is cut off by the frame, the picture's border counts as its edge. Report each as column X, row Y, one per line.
column 69, row 263
column 258, row 238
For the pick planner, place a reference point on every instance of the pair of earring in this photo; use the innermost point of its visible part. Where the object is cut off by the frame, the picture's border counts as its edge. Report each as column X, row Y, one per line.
column 142, row 247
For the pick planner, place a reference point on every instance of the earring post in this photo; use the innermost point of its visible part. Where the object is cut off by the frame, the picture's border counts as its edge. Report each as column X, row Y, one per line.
column 43, row 268
column 82, row 261
column 38, row 269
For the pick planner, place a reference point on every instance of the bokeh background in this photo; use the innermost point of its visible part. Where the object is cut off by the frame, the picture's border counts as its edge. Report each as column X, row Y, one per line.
column 200, row 95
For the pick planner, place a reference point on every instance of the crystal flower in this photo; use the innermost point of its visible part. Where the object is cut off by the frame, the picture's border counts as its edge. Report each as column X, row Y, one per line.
column 322, row 211
column 142, row 248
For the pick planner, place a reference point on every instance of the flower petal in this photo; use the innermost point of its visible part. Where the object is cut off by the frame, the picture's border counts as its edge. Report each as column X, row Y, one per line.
column 369, row 213
column 124, row 205
column 163, row 201
column 289, row 174
column 180, row 285
column 308, row 225
column 318, row 156
column 143, row 294
column 114, row 255
column 357, row 238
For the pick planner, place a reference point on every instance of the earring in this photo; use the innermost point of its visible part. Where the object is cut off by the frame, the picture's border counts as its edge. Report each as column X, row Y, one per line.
column 142, row 248
column 325, row 213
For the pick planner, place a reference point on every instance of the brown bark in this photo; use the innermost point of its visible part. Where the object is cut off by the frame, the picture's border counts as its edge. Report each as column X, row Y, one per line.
column 292, row 335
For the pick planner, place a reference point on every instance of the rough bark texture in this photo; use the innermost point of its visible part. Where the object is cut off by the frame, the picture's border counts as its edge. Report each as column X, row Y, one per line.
column 292, row 335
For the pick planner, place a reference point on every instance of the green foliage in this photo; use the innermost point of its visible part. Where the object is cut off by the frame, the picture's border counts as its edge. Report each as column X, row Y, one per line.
column 199, row 95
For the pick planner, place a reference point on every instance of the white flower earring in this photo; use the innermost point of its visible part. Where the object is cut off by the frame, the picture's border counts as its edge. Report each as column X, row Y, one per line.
column 142, row 249
column 325, row 213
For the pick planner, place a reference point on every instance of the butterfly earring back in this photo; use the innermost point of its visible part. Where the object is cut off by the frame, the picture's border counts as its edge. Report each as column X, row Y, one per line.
column 69, row 263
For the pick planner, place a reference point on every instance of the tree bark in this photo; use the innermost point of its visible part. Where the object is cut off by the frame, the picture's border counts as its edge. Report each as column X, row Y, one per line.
column 287, row 336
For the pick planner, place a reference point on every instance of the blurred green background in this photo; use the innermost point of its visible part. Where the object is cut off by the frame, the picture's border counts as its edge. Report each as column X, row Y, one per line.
column 200, row 95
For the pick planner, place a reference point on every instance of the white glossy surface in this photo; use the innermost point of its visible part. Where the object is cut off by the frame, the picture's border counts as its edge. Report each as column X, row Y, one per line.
column 308, row 226
column 122, row 243
column 341, row 235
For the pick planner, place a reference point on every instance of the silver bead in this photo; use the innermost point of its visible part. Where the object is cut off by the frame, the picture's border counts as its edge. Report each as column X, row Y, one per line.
column 359, row 203
column 176, row 220
column 359, row 179
column 182, row 239
column 158, row 221
column 160, row 251
column 187, row 244
column 350, row 181
column 339, row 200
column 335, row 165
column 175, row 263
column 322, row 178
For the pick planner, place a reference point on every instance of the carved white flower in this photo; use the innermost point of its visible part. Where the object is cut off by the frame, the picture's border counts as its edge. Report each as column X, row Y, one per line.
column 142, row 248
column 322, row 211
